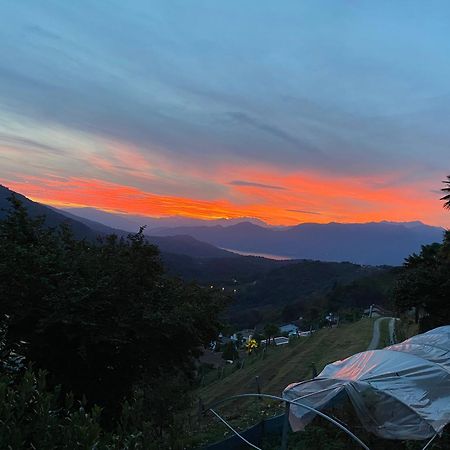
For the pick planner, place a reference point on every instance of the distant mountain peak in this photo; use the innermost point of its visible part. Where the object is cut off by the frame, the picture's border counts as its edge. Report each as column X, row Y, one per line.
column 245, row 225
column 373, row 243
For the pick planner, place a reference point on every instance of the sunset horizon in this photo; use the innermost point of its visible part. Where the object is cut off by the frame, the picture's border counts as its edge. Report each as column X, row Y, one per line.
column 201, row 113
column 204, row 202
column 127, row 200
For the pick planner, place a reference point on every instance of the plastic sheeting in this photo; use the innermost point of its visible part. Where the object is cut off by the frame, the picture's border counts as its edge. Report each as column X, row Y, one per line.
column 400, row 392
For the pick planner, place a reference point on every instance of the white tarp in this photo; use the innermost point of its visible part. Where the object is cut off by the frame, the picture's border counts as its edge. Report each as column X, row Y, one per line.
column 400, row 392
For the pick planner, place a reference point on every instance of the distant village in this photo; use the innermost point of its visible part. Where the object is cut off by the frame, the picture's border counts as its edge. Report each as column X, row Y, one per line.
column 228, row 348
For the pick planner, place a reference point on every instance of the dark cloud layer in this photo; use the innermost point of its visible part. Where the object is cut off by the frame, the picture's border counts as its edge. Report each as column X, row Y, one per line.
column 259, row 185
column 319, row 86
column 302, row 211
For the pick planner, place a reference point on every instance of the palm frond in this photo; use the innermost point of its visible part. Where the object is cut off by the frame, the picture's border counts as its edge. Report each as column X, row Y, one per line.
column 446, row 190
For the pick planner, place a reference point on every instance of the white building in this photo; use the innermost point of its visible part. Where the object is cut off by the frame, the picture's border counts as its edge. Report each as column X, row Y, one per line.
column 290, row 329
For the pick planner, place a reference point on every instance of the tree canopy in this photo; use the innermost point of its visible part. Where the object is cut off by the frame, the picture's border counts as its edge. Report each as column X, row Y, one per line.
column 425, row 281
column 102, row 318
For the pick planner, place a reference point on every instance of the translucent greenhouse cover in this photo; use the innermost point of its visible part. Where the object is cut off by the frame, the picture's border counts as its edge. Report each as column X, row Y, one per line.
column 399, row 392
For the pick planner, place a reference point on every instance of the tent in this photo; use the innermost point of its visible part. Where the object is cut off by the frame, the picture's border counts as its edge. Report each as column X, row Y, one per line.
column 399, row 392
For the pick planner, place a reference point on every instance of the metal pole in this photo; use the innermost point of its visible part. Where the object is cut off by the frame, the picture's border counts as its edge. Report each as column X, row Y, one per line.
column 284, row 436
column 429, row 442
column 258, row 386
column 302, row 405
column 314, row 370
column 234, row 431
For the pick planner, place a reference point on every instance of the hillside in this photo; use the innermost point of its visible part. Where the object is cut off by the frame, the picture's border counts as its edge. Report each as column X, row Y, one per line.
column 291, row 363
column 303, row 288
column 280, row 367
column 52, row 217
column 260, row 289
column 303, row 278
column 224, row 271
column 91, row 230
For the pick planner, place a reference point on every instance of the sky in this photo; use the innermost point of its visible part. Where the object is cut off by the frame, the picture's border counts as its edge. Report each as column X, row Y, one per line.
column 290, row 111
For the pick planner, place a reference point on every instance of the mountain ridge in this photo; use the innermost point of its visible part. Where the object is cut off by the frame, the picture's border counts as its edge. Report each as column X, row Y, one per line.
column 91, row 230
column 373, row 243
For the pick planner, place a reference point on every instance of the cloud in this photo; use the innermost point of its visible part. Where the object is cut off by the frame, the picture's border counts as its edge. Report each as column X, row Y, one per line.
column 259, row 185
column 173, row 93
column 302, row 211
column 42, row 32
column 273, row 131
column 213, row 103
column 26, row 144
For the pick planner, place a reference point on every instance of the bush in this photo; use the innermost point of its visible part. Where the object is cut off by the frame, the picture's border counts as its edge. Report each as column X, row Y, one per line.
column 32, row 417
column 103, row 319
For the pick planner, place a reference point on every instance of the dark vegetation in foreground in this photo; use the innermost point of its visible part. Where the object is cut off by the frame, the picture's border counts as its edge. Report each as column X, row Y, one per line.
column 262, row 290
column 116, row 337
column 98, row 343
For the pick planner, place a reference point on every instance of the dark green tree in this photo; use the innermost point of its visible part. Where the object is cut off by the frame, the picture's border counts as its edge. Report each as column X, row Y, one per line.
column 270, row 331
column 424, row 282
column 230, row 352
column 102, row 318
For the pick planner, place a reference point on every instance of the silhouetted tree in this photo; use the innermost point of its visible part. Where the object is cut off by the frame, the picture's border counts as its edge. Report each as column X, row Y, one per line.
column 446, row 190
column 425, row 281
column 102, row 318
column 230, row 352
column 270, row 331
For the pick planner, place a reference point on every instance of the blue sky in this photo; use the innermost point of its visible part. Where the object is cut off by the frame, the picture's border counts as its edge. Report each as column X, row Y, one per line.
column 177, row 98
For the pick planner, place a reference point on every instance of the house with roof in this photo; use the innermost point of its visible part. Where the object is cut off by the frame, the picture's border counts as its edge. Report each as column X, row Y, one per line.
column 244, row 335
column 290, row 329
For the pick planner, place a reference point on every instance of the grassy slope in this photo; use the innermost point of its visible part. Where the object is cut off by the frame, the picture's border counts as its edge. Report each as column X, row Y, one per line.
column 284, row 365
column 292, row 363
column 281, row 366
column 384, row 333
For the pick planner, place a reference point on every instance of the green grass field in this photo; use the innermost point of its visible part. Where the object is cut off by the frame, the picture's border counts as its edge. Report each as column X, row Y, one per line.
column 384, row 333
column 280, row 367
column 292, row 362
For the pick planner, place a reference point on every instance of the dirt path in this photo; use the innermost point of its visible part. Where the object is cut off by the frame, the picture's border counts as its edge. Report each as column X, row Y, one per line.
column 376, row 332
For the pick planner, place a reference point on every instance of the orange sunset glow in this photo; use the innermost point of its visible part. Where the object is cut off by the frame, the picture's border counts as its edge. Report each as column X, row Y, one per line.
column 322, row 200
column 159, row 125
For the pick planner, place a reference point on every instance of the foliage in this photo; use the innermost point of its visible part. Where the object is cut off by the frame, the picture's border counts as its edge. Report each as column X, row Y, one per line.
column 103, row 319
column 373, row 289
column 298, row 281
column 293, row 291
column 271, row 330
column 32, row 417
column 230, row 352
column 251, row 346
column 446, row 191
column 424, row 283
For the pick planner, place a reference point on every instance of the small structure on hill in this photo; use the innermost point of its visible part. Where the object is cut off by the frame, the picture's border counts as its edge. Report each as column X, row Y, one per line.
column 280, row 340
column 377, row 311
column 290, row 329
column 243, row 336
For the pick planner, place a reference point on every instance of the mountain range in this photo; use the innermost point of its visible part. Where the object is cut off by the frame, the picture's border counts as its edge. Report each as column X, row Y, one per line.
column 91, row 230
column 130, row 222
column 264, row 289
column 374, row 243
